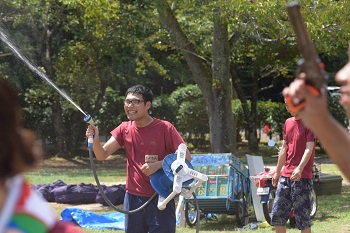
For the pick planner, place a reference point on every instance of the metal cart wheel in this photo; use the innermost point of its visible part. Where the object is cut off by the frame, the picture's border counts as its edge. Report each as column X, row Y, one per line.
column 267, row 207
column 242, row 216
column 242, row 207
column 314, row 204
column 191, row 212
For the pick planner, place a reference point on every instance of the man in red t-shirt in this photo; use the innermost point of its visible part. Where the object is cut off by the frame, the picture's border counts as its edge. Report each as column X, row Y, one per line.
column 293, row 176
column 267, row 129
column 147, row 141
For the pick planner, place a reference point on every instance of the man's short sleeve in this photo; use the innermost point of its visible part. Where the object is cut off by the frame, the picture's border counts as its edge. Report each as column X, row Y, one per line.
column 118, row 133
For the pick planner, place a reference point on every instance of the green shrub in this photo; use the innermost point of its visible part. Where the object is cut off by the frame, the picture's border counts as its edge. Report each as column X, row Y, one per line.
column 191, row 115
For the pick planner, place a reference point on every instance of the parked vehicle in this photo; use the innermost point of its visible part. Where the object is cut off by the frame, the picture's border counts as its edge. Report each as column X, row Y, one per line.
column 267, row 192
column 227, row 190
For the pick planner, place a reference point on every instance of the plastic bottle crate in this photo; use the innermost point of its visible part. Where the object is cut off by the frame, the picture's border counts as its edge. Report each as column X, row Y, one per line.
column 222, row 171
column 217, row 183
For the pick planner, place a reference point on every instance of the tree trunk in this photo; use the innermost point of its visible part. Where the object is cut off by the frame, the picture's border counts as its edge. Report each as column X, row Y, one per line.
column 222, row 124
column 213, row 82
column 249, row 114
column 59, row 128
column 253, row 143
column 44, row 50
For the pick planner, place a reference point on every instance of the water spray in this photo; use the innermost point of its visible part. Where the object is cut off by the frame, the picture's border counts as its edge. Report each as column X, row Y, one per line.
column 41, row 74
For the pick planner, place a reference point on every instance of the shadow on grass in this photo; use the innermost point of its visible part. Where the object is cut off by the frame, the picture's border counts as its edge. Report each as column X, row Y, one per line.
column 331, row 206
column 223, row 223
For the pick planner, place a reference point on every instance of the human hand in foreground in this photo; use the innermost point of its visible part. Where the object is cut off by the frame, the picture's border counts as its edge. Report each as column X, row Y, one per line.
column 315, row 110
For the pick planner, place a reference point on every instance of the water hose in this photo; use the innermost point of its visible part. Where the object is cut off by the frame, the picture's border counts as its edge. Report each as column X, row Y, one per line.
column 88, row 119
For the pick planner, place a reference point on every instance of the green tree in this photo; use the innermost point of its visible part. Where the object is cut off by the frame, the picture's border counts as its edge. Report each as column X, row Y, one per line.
column 163, row 107
column 65, row 35
column 245, row 42
column 191, row 115
column 233, row 49
column 210, row 69
column 41, row 22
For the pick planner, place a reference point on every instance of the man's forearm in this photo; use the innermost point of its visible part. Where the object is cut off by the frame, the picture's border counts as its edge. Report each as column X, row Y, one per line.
column 307, row 155
column 159, row 164
column 281, row 162
column 336, row 141
column 281, row 158
column 98, row 149
column 305, row 159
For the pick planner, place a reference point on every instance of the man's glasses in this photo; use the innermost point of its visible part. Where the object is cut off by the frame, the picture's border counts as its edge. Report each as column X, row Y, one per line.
column 132, row 102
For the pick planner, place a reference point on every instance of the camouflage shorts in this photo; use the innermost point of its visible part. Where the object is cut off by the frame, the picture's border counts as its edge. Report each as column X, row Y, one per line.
column 294, row 195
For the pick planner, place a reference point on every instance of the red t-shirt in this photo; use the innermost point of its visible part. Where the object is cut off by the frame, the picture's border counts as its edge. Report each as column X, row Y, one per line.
column 266, row 128
column 158, row 138
column 296, row 135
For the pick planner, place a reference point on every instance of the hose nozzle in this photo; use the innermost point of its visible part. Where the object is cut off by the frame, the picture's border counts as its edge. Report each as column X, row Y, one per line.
column 89, row 120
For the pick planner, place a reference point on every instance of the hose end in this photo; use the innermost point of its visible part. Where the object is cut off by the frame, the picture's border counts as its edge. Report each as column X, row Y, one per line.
column 90, row 142
column 88, row 119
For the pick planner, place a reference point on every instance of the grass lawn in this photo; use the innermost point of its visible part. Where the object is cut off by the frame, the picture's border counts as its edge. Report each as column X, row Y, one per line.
column 333, row 210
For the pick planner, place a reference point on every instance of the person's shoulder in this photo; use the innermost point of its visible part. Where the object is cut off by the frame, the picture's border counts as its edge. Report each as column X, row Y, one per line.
column 290, row 119
column 163, row 123
column 160, row 121
column 123, row 126
column 126, row 124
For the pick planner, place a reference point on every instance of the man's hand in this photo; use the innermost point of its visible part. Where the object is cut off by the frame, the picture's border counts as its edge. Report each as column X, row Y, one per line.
column 91, row 131
column 150, row 168
column 296, row 175
column 275, row 179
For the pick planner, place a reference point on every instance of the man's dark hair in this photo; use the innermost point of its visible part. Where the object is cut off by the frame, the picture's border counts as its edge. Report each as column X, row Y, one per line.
column 146, row 93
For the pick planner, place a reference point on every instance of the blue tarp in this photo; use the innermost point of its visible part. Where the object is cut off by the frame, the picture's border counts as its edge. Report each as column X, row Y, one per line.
column 88, row 219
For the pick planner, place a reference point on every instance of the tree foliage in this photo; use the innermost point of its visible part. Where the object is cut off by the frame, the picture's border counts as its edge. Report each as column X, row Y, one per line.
column 191, row 114
column 95, row 50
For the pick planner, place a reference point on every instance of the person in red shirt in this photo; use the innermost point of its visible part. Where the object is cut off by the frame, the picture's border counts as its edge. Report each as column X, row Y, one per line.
column 316, row 116
column 267, row 129
column 147, row 141
column 293, row 176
